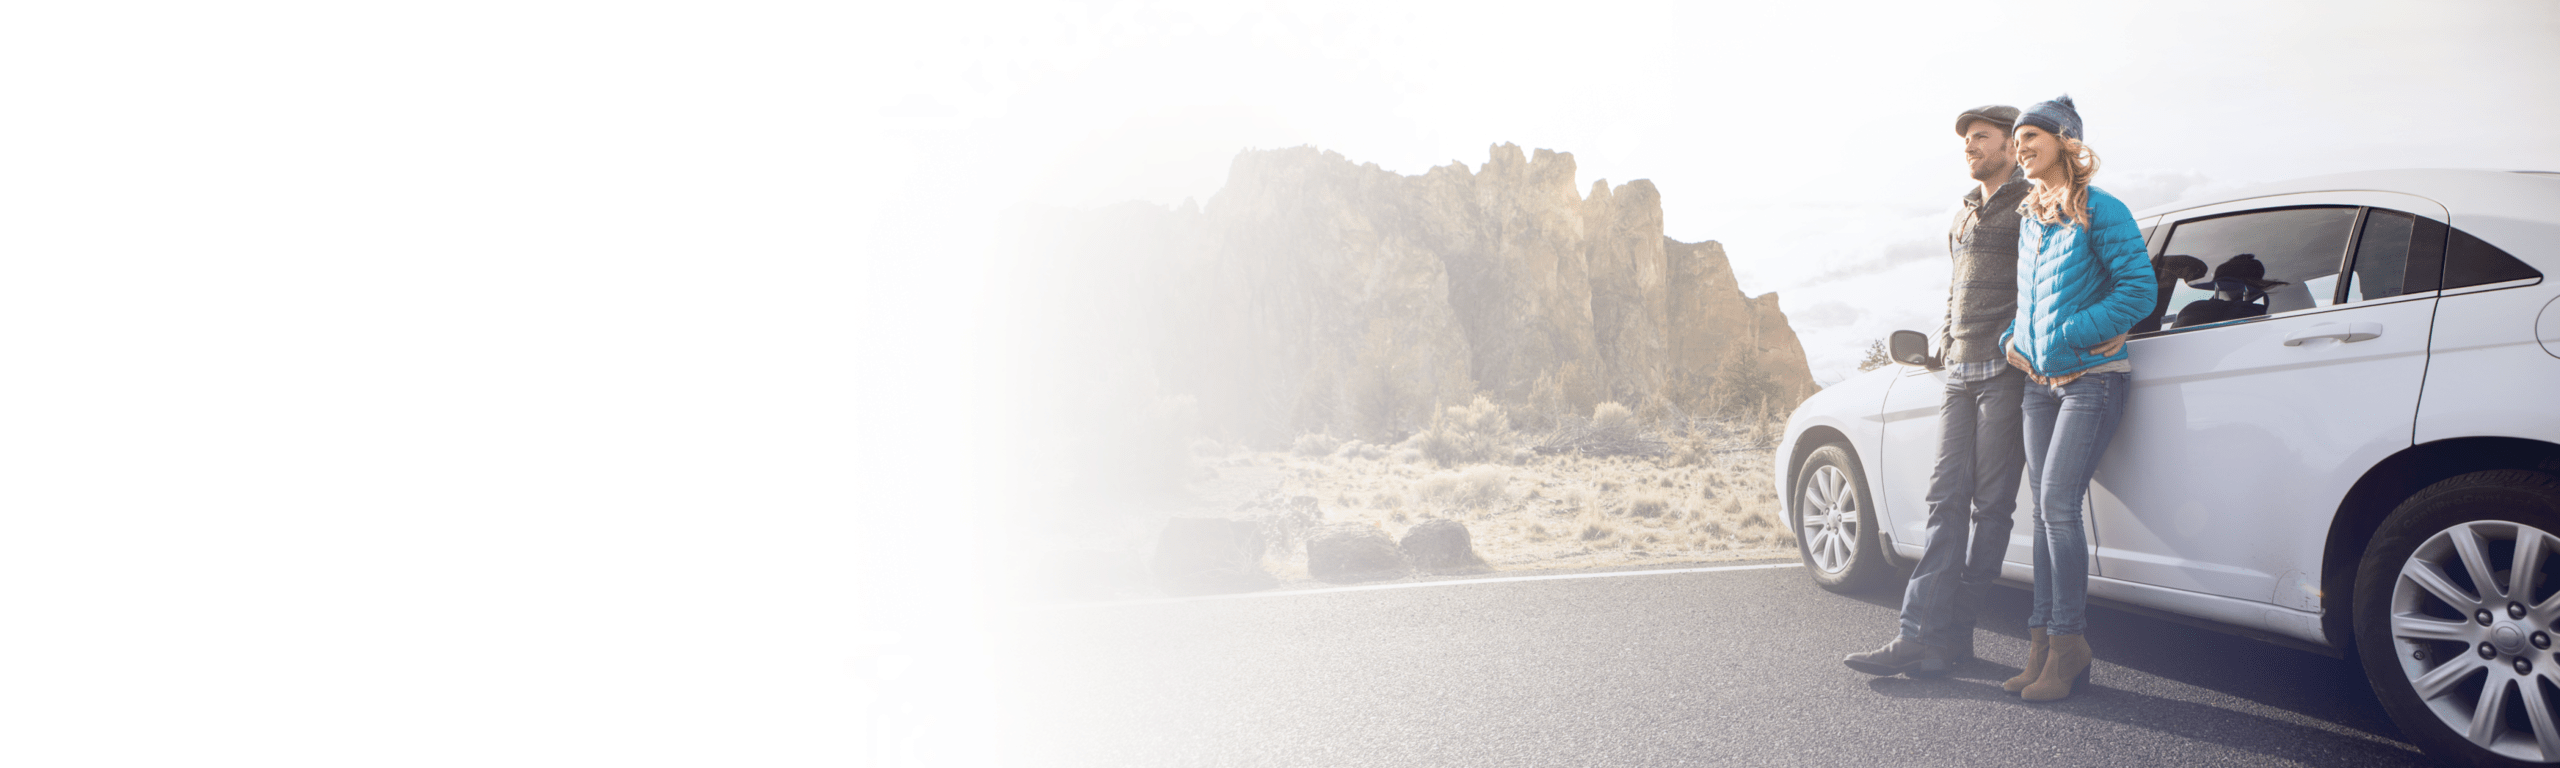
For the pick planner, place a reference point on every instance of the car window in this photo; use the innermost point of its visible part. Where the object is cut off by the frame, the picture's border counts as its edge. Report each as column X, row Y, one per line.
column 2471, row 261
column 2296, row 254
column 2383, row 264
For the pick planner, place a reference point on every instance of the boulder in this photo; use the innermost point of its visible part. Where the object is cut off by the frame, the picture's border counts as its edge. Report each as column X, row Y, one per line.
column 1208, row 555
column 1441, row 546
column 1352, row 552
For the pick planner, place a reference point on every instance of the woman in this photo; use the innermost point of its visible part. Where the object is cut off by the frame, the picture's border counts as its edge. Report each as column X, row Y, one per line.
column 2083, row 281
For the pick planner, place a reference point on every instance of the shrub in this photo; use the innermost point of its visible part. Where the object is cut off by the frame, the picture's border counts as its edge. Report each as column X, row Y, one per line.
column 1649, row 504
column 1876, row 356
column 1438, row 445
column 1612, row 417
column 1558, row 394
column 1744, row 387
column 1360, row 449
column 1478, row 431
column 1612, row 431
column 1479, row 417
column 1314, row 445
column 1440, row 487
column 1476, row 488
column 1482, row 486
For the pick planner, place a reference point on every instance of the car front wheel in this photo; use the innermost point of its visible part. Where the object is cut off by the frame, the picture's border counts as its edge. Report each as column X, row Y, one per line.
column 2457, row 615
column 1836, row 523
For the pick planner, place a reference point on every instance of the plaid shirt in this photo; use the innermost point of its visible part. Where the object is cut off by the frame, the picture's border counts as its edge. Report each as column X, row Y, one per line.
column 1976, row 373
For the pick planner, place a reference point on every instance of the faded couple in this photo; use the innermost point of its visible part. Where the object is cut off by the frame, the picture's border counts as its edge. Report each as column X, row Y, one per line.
column 2050, row 275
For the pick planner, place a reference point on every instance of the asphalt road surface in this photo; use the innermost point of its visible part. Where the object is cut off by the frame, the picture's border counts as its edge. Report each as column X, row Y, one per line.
column 1730, row 667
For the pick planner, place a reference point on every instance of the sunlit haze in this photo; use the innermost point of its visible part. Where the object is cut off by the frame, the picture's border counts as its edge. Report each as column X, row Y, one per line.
column 553, row 383
column 1813, row 140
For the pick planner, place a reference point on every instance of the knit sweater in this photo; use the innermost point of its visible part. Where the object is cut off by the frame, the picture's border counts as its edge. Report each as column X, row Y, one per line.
column 1982, row 294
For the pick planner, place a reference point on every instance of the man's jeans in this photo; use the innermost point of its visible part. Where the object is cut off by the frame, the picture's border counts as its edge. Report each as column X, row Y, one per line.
column 2067, row 430
column 1979, row 455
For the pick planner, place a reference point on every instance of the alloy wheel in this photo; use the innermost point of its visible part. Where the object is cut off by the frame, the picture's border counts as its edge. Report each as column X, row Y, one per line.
column 1829, row 524
column 2473, row 623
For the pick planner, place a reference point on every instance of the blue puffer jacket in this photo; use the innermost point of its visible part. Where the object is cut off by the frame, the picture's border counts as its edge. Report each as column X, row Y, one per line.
column 2078, row 288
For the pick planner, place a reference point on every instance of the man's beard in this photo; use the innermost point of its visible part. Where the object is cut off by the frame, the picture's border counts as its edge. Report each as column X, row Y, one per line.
column 1987, row 171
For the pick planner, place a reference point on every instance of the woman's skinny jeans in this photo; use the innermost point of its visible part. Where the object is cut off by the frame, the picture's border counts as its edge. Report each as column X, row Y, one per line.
column 2067, row 429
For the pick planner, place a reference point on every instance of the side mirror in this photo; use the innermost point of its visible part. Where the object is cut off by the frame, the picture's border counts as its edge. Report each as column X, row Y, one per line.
column 1908, row 347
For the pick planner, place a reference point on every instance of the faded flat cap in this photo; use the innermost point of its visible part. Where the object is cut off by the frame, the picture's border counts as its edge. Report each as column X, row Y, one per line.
column 1999, row 114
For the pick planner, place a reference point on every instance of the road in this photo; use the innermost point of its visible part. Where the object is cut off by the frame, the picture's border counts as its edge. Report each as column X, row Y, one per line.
column 1729, row 667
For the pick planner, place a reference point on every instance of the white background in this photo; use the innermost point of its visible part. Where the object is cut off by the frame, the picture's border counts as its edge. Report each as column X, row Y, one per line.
column 548, row 382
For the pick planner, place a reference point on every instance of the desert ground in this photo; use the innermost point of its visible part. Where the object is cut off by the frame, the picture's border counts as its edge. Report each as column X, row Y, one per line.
column 1530, row 502
column 1562, row 511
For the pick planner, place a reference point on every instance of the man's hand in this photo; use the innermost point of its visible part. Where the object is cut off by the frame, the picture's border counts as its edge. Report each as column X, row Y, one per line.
column 2108, row 347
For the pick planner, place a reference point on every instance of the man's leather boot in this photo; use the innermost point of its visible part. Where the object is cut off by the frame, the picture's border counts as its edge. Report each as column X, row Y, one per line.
column 1903, row 656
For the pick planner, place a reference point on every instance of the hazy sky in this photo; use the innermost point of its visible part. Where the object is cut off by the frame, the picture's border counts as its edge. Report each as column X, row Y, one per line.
column 1815, row 140
column 546, row 381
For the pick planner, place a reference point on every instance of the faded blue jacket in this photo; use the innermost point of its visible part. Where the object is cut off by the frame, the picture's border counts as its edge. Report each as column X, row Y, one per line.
column 2078, row 287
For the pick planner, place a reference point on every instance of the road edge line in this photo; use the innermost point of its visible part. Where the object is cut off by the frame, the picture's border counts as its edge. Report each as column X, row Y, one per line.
column 1413, row 585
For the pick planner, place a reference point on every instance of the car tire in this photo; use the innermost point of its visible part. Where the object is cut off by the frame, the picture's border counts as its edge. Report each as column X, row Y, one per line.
column 1836, row 522
column 2441, row 648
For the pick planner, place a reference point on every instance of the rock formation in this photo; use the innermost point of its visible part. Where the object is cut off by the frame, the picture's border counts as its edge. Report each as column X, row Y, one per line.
column 1315, row 294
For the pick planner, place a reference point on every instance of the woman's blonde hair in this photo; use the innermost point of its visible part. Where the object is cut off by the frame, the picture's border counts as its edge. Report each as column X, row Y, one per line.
column 2050, row 204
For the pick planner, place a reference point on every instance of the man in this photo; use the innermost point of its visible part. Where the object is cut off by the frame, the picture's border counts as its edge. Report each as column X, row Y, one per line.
column 1981, row 455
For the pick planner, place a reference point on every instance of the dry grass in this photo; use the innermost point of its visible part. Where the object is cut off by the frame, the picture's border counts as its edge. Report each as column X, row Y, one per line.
column 1555, row 511
column 1649, row 503
column 1477, row 487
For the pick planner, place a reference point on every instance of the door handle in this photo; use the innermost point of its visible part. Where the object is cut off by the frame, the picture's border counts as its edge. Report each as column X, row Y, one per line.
column 2345, row 333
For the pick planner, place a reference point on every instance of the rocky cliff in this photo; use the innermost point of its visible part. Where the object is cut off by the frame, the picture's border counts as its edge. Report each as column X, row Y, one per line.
column 1314, row 294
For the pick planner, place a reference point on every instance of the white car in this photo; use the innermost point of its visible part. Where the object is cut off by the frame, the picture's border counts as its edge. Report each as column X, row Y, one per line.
column 2369, row 467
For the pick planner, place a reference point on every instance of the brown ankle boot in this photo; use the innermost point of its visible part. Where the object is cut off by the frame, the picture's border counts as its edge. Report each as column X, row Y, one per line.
column 2066, row 665
column 2037, row 646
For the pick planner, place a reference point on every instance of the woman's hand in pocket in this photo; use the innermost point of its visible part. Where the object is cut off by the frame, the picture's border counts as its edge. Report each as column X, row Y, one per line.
column 2109, row 346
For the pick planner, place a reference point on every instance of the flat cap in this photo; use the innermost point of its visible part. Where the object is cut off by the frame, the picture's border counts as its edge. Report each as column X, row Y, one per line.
column 2001, row 115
